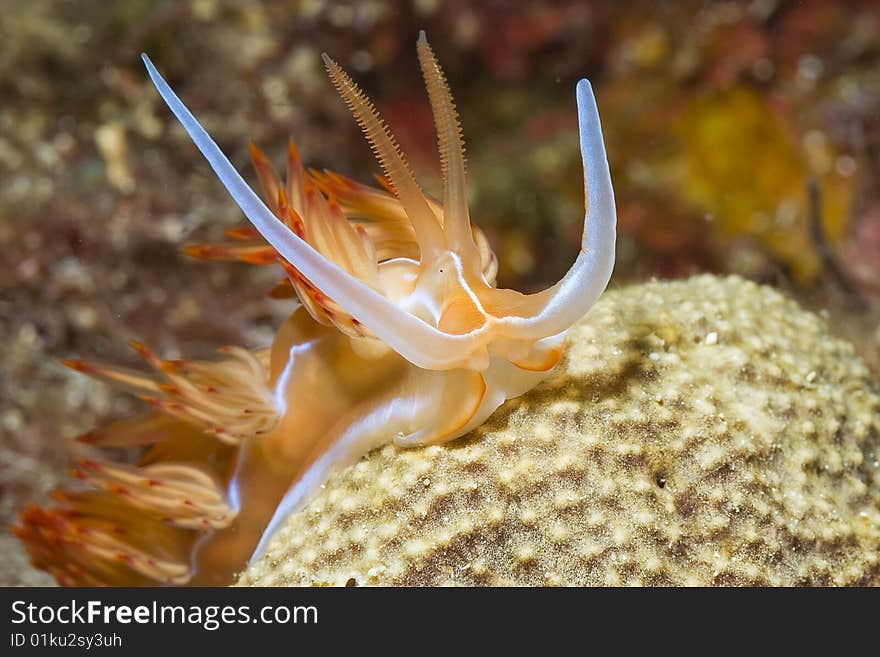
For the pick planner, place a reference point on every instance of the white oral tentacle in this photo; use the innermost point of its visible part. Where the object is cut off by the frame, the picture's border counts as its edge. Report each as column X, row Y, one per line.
column 421, row 344
column 574, row 295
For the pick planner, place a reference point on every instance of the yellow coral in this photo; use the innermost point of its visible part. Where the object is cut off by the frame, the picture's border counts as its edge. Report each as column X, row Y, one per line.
column 698, row 432
column 740, row 166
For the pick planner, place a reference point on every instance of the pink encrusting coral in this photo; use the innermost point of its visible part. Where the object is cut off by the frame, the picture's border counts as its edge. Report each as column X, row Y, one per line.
column 400, row 336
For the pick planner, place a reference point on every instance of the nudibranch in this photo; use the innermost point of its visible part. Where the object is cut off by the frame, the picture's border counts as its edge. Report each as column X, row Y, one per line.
column 399, row 335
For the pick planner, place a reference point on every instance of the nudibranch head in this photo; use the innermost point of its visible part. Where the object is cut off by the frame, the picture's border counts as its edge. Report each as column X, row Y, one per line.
column 401, row 336
column 429, row 298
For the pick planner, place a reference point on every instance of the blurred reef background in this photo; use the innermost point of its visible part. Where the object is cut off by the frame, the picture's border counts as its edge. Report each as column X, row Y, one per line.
column 743, row 137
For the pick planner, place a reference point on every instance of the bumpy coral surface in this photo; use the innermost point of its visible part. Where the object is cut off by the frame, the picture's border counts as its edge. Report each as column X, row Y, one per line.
column 699, row 432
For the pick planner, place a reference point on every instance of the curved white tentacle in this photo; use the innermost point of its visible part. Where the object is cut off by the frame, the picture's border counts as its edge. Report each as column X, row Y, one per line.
column 412, row 338
column 555, row 309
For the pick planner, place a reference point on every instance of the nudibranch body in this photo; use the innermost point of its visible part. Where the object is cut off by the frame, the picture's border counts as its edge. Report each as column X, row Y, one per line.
column 400, row 335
